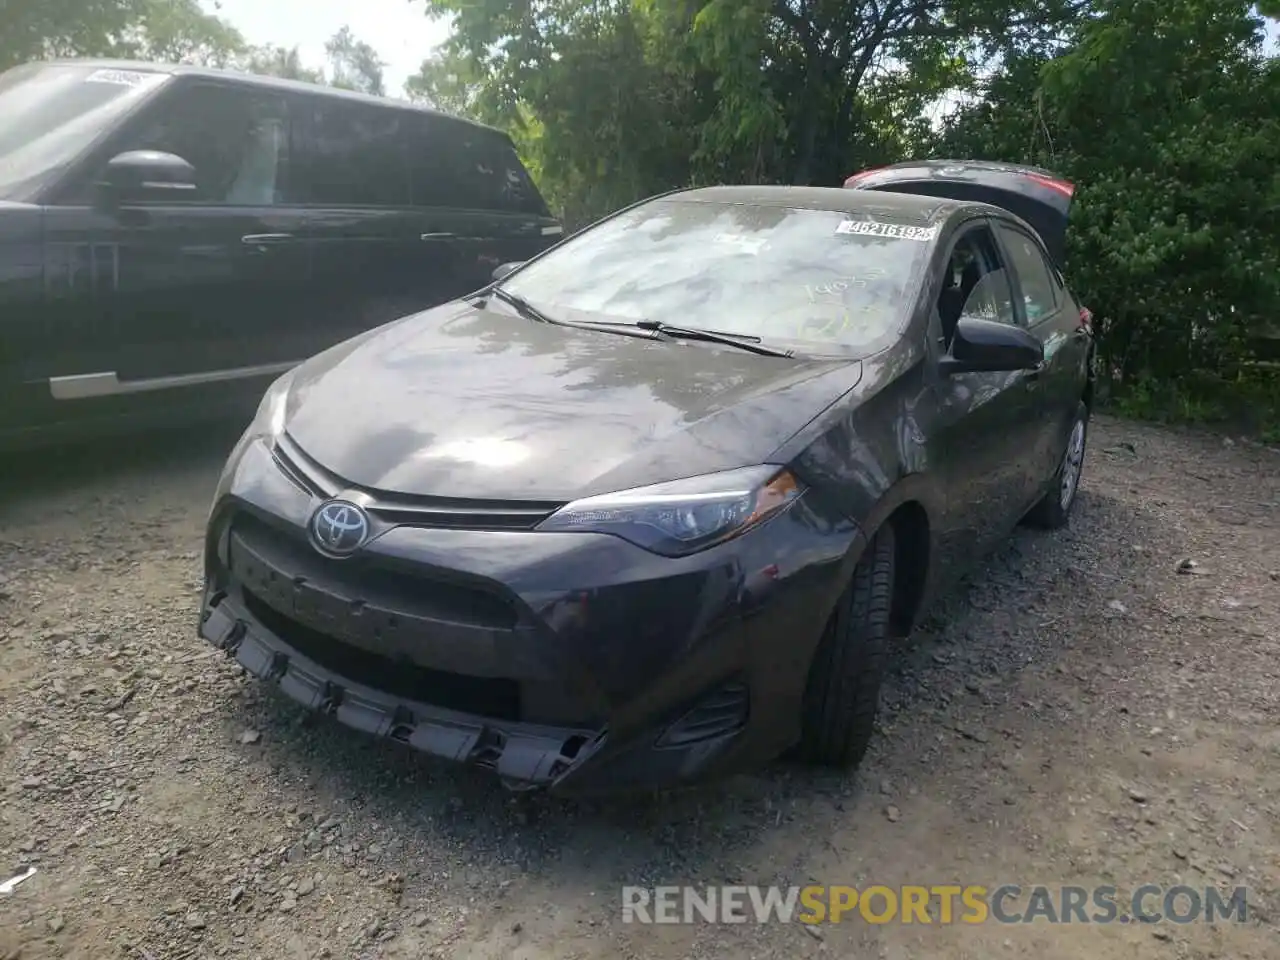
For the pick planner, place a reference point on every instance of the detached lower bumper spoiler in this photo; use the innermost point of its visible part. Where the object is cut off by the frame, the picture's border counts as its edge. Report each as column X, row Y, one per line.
column 523, row 755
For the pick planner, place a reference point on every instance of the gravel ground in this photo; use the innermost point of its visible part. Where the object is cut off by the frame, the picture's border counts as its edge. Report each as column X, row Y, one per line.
column 1081, row 712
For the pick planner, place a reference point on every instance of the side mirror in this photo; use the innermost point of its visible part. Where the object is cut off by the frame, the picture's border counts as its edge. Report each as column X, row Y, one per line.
column 506, row 269
column 138, row 175
column 987, row 345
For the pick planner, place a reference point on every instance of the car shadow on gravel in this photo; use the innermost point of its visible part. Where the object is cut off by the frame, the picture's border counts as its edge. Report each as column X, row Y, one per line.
column 947, row 684
column 72, row 467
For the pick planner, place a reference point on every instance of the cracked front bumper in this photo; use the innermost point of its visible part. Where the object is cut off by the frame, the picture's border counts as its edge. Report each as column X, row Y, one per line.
column 521, row 754
column 572, row 662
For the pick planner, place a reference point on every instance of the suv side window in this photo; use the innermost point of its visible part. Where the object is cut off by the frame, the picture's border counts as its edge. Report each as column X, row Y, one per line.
column 1035, row 276
column 357, row 156
column 975, row 283
column 457, row 164
column 433, row 182
column 238, row 139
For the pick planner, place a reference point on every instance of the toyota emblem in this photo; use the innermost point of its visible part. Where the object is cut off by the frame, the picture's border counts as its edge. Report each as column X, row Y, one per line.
column 339, row 528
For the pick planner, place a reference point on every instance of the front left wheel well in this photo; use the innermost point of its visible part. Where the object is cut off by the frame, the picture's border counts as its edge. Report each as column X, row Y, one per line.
column 911, row 563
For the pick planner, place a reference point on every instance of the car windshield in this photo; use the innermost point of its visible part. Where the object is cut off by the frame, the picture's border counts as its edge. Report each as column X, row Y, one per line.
column 53, row 111
column 824, row 280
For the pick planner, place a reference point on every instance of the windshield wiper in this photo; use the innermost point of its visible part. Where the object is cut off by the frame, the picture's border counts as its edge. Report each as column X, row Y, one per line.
column 522, row 306
column 745, row 341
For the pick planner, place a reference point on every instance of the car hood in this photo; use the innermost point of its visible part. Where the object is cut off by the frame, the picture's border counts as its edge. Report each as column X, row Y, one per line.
column 461, row 401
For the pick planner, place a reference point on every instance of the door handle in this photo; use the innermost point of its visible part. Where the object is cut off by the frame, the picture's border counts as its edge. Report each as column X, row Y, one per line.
column 437, row 236
column 258, row 239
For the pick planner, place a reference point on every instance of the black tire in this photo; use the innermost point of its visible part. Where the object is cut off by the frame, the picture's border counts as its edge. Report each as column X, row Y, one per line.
column 842, row 695
column 1053, row 511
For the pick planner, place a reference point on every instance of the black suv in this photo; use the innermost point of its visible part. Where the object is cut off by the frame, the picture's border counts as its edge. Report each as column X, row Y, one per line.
column 173, row 238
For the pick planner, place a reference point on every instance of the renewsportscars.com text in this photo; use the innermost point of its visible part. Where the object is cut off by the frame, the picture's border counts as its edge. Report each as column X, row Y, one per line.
column 933, row 904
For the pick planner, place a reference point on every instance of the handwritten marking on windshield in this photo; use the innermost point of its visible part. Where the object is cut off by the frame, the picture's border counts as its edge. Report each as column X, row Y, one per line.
column 830, row 327
column 832, row 289
column 836, row 288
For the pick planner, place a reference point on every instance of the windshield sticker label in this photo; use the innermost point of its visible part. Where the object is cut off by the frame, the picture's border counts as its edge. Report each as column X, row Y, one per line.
column 896, row 231
column 124, row 78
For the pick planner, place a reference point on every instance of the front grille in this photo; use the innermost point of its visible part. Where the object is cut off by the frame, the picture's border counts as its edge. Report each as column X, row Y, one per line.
column 447, row 512
column 286, row 557
column 498, row 699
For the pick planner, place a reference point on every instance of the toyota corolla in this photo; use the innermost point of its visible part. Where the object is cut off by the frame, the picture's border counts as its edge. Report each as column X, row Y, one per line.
column 654, row 506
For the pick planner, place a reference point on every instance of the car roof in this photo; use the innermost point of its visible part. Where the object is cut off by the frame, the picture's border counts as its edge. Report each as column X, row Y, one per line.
column 264, row 82
column 909, row 208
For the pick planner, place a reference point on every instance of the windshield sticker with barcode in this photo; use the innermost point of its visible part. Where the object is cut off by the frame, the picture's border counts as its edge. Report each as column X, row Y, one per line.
column 895, row 231
column 124, row 78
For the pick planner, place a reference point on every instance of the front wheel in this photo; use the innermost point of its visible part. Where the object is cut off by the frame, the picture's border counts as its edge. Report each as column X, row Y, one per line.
column 843, row 691
column 1054, row 510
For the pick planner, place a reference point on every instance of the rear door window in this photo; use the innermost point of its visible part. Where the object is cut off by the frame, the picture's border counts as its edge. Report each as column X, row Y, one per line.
column 357, row 156
column 457, row 164
column 1040, row 292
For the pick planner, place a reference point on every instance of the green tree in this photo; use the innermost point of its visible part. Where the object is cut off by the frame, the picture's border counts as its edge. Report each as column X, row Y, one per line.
column 446, row 82
column 633, row 96
column 179, row 31
column 354, row 64
column 170, row 30
column 1166, row 113
column 277, row 61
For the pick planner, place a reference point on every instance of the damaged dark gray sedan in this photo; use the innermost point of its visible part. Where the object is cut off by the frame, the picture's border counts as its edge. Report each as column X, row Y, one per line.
column 653, row 506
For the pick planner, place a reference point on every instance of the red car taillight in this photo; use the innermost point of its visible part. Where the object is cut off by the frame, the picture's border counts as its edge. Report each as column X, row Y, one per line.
column 850, row 181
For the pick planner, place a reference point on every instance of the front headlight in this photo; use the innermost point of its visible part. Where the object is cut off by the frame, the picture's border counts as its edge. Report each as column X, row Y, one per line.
column 683, row 516
column 267, row 423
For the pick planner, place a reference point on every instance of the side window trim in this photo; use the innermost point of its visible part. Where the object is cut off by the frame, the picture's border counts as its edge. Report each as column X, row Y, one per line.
column 1059, row 292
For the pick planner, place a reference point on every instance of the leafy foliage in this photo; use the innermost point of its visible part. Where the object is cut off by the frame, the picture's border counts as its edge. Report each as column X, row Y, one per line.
column 276, row 61
column 171, row 31
column 1166, row 113
column 1168, row 116
column 132, row 29
column 354, row 65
